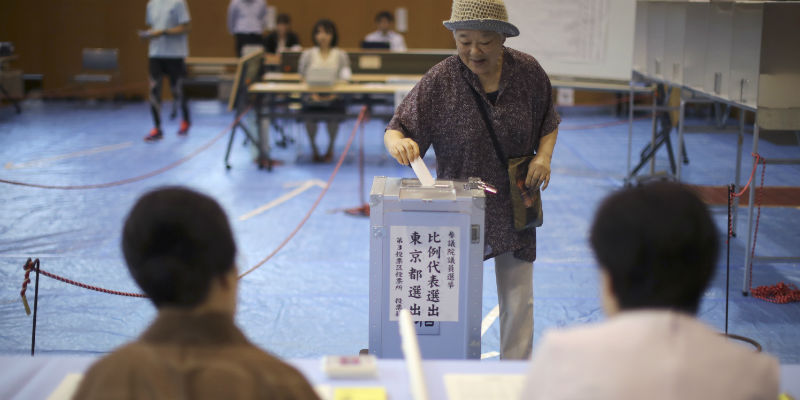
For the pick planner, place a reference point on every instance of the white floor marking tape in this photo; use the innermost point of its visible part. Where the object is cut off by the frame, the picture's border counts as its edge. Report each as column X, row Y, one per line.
column 76, row 154
column 489, row 354
column 489, row 319
column 284, row 198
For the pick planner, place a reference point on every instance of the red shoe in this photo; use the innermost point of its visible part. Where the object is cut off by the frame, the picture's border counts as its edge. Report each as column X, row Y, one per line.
column 184, row 129
column 154, row 135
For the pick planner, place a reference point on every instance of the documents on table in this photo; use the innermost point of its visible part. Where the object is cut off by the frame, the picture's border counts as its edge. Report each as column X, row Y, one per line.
column 483, row 386
column 67, row 388
column 422, row 172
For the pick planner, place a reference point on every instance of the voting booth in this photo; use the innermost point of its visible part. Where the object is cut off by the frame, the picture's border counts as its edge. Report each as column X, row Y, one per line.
column 426, row 256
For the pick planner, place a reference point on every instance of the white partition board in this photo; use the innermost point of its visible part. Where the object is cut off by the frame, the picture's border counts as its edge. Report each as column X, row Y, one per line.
column 576, row 38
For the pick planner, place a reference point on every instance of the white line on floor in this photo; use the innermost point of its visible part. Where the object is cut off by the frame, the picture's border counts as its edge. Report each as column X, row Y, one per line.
column 489, row 354
column 284, row 198
column 76, row 154
column 489, row 319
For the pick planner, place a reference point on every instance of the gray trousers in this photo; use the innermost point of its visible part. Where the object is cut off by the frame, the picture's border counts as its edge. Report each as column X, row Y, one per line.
column 515, row 297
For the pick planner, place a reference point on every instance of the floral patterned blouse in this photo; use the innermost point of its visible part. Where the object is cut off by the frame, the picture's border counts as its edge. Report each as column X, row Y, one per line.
column 441, row 111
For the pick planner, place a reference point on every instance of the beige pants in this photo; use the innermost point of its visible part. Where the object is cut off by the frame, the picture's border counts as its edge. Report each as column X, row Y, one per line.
column 515, row 297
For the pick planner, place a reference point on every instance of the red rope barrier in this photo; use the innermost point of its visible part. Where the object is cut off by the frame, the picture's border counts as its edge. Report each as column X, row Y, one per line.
column 359, row 121
column 752, row 173
column 90, row 287
column 33, row 265
column 781, row 292
column 140, row 177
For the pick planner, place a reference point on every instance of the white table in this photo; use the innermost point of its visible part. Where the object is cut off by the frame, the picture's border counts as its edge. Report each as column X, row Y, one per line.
column 25, row 377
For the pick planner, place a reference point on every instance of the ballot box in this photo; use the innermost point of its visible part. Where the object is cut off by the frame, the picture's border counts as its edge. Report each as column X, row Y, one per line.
column 426, row 255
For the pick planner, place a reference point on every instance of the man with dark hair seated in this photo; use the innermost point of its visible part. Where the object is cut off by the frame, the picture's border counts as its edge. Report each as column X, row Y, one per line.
column 385, row 34
column 657, row 247
column 180, row 250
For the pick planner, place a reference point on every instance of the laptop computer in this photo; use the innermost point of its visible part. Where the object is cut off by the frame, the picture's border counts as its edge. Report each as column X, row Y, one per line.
column 322, row 76
column 375, row 45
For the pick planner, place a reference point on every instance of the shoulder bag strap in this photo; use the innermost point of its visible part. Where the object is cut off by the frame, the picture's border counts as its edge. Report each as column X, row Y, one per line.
column 482, row 107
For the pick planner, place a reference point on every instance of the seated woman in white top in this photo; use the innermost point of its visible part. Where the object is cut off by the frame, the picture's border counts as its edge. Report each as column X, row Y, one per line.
column 657, row 247
column 323, row 55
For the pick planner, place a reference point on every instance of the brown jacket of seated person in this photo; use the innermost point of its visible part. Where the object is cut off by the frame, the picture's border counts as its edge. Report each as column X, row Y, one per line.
column 186, row 355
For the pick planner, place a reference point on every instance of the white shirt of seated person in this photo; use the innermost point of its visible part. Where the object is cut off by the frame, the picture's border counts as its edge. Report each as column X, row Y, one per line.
column 647, row 354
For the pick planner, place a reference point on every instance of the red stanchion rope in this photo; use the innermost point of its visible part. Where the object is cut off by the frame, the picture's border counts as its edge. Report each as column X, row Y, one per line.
column 33, row 266
column 140, row 177
column 359, row 121
column 30, row 265
column 780, row 293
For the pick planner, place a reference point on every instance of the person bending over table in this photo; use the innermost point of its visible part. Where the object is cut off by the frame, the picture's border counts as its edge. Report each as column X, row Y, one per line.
column 656, row 247
column 180, row 250
column 324, row 54
column 442, row 111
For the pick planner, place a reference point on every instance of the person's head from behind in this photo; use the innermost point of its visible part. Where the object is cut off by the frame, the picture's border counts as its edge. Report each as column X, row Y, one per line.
column 657, row 247
column 180, row 250
column 384, row 21
column 284, row 24
column 324, row 34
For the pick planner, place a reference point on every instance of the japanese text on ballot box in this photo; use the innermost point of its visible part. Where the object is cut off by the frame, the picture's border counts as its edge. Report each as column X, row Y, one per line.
column 424, row 272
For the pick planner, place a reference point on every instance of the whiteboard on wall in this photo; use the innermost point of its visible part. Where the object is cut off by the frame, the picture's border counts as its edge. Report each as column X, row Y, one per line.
column 576, row 38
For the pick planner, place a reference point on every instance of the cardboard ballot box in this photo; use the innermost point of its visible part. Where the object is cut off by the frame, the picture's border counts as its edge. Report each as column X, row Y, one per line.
column 426, row 255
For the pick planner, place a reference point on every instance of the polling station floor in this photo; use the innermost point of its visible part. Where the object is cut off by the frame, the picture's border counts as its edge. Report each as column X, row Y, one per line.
column 312, row 297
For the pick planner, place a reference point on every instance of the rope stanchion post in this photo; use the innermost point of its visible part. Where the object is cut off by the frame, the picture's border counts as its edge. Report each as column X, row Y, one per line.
column 35, row 266
column 363, row 208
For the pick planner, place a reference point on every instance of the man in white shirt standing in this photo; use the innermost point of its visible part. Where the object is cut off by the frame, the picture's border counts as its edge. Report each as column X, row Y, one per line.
column 168, row 22
column 247, row 20
column 385, row 34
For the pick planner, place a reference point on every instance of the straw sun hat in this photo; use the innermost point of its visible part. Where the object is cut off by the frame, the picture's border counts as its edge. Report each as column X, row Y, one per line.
column 481, row 15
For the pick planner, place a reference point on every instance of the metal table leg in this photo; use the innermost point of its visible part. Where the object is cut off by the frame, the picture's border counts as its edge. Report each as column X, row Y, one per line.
column 681, row 115
column 630, row 132
column 750, row 209
column 737, row 180
column 653, row 135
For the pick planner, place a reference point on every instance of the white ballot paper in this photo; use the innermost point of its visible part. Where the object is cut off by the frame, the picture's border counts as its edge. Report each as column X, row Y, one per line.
column 422, row 172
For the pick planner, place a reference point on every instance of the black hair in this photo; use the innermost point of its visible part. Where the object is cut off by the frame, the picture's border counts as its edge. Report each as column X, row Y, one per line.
column 658, row 244
column 175, row 242
column 384, row 14
column 328, row 26
column 284, row 19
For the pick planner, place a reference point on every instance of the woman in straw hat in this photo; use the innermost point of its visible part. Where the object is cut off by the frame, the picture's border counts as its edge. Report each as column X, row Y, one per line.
column 444, row 111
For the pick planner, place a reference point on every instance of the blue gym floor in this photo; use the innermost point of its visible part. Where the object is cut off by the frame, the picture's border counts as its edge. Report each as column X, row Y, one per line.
column 312, row 299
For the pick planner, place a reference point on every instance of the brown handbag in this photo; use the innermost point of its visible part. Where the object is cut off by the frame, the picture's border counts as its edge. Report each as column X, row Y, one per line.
column 526, row 203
